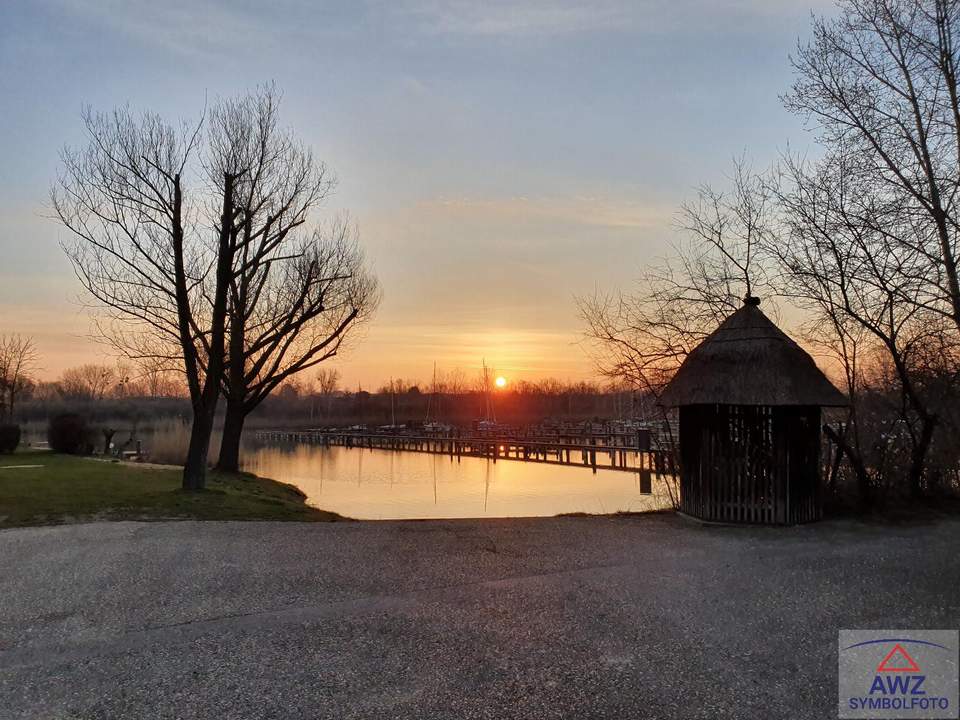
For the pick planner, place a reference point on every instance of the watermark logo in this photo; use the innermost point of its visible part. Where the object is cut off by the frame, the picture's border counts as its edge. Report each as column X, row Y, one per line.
column 898, row 673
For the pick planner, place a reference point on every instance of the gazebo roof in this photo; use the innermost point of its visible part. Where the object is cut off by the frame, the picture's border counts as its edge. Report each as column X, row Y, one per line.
column 750, row 361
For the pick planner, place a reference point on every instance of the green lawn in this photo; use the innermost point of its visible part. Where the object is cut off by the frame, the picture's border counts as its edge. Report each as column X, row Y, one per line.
column 68, row 489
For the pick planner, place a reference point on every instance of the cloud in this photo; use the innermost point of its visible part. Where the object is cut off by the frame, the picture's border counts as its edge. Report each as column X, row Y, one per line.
column 526, row 18
column 214, row 26
column 503, row 17
column 544, row 233
column 579, row 210
column 538, row 213
column 190, row 27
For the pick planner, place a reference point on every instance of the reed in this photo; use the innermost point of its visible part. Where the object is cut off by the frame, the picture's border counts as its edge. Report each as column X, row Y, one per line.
column 168, row 442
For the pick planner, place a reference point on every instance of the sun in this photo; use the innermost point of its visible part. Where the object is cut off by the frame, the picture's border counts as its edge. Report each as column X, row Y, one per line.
column 501, row 381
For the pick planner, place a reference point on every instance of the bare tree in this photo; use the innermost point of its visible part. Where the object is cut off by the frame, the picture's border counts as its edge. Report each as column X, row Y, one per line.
column 873, row 223
column 327, row 381
column 158, row 377
column 863, row 289
column 879, row 83
column 153, row 229
column 641, row 338
column 295, row 296
column 88, row 382
column 453, row 381
column 187, row 238
column 18, row 360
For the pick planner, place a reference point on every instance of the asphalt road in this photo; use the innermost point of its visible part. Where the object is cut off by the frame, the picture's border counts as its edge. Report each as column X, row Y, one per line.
column 641, row 617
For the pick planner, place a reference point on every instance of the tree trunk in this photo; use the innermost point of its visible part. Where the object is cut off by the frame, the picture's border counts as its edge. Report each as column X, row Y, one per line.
column 918, row 457
column 205, row 397
column 232, row 434
column 229, row 460
column 864, row 490
column 195, row 468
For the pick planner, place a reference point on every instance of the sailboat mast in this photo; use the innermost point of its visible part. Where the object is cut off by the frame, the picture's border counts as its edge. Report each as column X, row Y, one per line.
column 486, row 392
column 488, row 413
column 393, row 414
column 432, row 399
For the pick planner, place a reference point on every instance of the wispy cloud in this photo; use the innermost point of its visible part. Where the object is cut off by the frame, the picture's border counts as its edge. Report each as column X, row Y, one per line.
column 580, row 210
column 181, row 26
column 205, row 27
column 526, row 18
column 583, row 210
column 503, row 17
column 198, row 27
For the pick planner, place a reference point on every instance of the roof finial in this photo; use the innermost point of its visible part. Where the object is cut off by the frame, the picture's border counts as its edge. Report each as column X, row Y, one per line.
column 751, row 300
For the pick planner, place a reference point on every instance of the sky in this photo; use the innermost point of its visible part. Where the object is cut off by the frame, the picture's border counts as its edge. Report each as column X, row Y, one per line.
column 499, row 158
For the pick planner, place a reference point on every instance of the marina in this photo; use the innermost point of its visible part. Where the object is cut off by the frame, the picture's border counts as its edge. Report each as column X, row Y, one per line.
column 628, row 451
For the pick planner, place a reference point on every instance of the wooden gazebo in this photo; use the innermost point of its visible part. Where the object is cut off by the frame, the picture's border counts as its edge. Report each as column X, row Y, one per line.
column 749, row 399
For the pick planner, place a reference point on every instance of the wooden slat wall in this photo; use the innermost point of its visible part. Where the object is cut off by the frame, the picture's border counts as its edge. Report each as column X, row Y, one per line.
column 750, row 464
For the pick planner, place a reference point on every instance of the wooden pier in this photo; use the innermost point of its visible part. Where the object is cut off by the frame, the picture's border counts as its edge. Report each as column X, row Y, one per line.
column 630, row 452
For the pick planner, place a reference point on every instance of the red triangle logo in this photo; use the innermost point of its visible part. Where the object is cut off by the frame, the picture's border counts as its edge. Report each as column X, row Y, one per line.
column 898, row 660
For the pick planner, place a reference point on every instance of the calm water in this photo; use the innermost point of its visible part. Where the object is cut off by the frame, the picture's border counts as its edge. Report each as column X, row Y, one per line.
column 382, row 484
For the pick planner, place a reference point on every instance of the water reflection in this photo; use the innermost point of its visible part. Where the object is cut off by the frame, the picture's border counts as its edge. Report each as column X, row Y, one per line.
column 381, row 484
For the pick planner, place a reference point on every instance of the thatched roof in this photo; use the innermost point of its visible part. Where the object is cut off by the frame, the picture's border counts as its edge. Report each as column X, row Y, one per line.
column 749, row 361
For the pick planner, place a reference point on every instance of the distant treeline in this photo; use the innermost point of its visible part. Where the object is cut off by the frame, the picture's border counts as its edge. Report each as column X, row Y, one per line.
column 525, row 403
column 130, row 398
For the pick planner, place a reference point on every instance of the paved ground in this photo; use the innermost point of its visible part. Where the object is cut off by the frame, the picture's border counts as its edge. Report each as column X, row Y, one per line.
column 646, row 617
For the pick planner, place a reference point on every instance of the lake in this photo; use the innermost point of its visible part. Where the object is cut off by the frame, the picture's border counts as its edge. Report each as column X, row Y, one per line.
column 383, row 484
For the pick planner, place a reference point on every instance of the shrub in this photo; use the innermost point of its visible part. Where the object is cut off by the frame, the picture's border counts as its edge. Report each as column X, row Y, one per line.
column 9, row 438
column 69, row 433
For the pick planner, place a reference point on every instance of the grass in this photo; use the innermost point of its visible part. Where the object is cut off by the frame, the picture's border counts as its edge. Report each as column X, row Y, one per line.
column 618, row 513
column 73, row 489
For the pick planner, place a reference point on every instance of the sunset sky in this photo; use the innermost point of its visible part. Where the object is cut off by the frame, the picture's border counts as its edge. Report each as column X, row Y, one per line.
column 499, row 157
